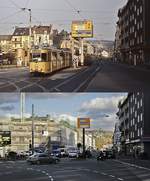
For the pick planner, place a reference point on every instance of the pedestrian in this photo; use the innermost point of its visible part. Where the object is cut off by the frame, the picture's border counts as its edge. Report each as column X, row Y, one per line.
column 75, row 61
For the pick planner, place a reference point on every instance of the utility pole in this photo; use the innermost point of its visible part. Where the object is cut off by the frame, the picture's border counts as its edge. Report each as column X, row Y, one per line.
column 22, row 105
column 30, row 34
column 82, row 52
column 72, row 42
column 32, row 128
column 84, row 143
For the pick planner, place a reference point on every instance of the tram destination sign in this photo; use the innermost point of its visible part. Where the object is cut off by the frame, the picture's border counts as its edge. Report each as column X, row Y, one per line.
column 5, row 138
column 82, row 29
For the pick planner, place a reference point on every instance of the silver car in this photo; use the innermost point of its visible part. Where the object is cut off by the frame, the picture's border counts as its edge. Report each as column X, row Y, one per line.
column 42, row 158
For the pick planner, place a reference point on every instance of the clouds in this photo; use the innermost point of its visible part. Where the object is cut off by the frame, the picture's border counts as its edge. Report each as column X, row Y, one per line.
column 7, row 108
column 9, row 98
column 38, row 96
column 102, row 111
column 99, row 106
column 66, row 106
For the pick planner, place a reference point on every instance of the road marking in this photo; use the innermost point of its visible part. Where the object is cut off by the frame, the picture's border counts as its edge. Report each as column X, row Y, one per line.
column 112, row 176
column 84, row 82
column 132, row 165
column 95, row 171
column 103, row 173
column 121, row 179
column 68, row 80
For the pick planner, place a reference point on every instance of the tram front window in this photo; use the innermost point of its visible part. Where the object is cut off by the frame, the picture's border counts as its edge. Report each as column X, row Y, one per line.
column 39, row 57
column 36, row 57
column 44, row 57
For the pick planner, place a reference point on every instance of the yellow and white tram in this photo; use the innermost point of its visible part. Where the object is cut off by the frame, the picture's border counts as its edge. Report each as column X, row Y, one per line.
column 45, row 61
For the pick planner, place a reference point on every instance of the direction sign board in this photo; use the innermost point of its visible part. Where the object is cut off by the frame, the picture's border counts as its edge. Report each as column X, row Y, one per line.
column 5, row 138
column 83, row 123
column 82, row 29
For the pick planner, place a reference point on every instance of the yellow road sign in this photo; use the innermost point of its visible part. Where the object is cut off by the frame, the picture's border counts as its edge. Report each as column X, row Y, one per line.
column 83, row 123
column 82, row 29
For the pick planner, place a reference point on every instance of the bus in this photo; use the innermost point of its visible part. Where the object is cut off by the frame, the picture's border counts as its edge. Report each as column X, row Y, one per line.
column 48, row 60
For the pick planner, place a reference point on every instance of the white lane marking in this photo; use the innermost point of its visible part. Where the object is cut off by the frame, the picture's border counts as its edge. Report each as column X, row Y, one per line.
column 103, row 173
column 95, row 171
column 56, row 89
column 121, row 179
column 112, row 176
column 84, row 82
column 61, row 76
column 132, row 165
column 68, row 80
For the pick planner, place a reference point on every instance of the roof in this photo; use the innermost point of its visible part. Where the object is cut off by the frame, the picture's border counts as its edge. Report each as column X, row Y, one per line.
column 42, row 29
column 21, row 31
column 5, row 37
column 24, row 31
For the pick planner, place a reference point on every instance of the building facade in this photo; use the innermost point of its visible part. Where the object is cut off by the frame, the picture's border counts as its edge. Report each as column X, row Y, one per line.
column 5, row 43
column 134, row 124
column 21, row 132
column 134, row 29
column 116, row 138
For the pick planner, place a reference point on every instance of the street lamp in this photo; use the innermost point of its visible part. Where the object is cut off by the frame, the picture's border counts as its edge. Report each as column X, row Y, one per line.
column 32, row 129
column 30, row 30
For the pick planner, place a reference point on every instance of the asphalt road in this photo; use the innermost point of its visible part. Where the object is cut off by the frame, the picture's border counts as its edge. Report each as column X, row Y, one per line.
column 71, row 170
column 100, row 77
column 68, row 80
column 120, row 77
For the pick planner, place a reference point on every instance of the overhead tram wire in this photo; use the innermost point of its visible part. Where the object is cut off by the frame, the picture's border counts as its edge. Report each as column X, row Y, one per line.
column 26, row 4
column 74, row 8
column 16, row 5
column 7, row 17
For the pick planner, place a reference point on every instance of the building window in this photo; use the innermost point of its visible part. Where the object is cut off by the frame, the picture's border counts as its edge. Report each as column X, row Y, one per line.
column 141, row 117
column 141, row 131
column 135, row 114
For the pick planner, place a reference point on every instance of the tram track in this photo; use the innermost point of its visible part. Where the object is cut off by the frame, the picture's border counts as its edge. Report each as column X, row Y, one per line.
column 69, row 80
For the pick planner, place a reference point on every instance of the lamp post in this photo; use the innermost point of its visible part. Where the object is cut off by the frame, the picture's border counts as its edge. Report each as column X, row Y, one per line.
column 32, row 129
column 30, row 31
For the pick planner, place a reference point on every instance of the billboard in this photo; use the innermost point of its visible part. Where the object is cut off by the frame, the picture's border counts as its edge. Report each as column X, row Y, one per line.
column 82, row 29
column 5, row 138
column 83, row 123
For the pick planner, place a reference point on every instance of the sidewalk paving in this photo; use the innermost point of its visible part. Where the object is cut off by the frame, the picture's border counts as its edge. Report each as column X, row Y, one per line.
column 6, row 67
column 138, row 162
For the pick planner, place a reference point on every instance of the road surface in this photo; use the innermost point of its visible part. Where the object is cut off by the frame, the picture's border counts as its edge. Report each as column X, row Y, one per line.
column 73, row 170
column 103, row 76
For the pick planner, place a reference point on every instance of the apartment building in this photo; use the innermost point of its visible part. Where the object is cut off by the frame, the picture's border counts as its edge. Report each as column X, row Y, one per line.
column 133, row 28
column 134, row 124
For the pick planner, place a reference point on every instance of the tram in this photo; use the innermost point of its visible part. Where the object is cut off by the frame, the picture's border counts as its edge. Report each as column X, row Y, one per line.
column 45, row 61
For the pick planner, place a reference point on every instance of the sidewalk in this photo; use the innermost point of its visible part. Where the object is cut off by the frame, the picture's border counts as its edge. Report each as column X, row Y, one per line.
column 9, row 67
column 141, row 67
column 138, row 162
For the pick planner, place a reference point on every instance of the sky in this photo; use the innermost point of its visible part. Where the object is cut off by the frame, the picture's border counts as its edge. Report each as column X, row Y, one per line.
column 60, row 13
column 101, row 108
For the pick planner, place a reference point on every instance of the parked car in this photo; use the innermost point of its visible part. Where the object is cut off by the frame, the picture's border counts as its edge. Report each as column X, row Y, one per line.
column 63, row 152
column 56, row 153
column 42, row 158
column 73, row 154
